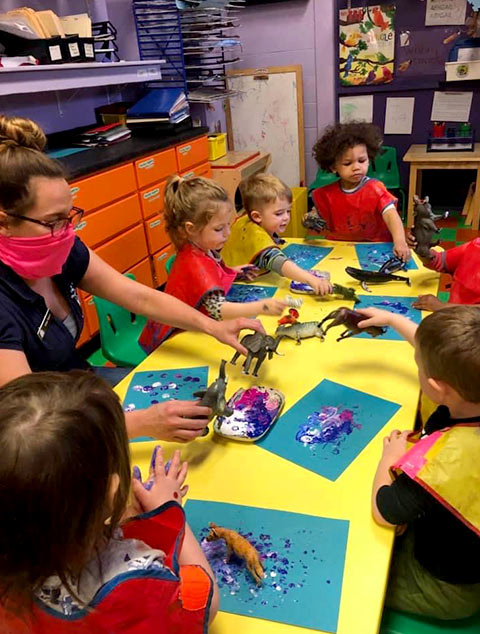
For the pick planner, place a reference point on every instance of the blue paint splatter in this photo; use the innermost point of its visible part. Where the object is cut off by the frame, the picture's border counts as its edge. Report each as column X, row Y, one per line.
column 328, row 427
column 255, row 410
column 395, row 307
column 242, row 293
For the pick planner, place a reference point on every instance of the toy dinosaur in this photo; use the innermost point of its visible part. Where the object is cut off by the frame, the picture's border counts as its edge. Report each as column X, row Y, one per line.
column 241, row 547
column 214, row 396
column 424, row 226
column 291, row 318
column 374, row 277
column 258, row 345
column 300, row 330
column 350, row 319
column 345, row 292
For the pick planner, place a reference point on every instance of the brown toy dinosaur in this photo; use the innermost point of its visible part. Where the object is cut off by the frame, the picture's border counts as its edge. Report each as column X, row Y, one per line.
column 241, row 547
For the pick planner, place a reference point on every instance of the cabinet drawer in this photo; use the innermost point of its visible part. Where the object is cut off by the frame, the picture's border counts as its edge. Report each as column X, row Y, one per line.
column 85, row 336
column 126, row 250
column 192, row 153
column 95, row 191
column 143, row 272
column 157, row 237
column 91, row 316
column 159, row 260
column 109, row 221
column 205, row 170
column 155, row 167
column 151, row 199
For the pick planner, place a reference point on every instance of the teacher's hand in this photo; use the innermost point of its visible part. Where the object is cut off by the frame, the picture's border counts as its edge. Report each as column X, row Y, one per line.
column 175, row 421
column 227, row 331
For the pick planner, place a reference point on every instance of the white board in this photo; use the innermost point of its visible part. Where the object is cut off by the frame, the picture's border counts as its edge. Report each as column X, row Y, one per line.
column 264, row 116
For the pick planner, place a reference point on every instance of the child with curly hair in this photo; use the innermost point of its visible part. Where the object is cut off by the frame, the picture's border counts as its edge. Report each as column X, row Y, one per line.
column 355, row 207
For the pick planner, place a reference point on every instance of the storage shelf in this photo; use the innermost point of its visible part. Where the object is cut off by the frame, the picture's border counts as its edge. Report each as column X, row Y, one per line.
column 32, row 79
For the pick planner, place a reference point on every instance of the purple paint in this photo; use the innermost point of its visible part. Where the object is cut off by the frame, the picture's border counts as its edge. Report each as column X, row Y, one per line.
column 396, row 307
column 328, row 427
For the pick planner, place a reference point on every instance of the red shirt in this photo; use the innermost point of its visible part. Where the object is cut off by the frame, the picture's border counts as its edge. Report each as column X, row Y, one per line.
column 357, row 214
column 463, row 263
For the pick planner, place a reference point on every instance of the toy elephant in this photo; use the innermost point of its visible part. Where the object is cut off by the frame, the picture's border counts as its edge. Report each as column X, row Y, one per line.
column 350, row 319
column 258, row 346
column 424, row 226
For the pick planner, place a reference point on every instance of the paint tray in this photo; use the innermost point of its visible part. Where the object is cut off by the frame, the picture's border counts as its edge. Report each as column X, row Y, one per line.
column 255, row 410
column 302, row 287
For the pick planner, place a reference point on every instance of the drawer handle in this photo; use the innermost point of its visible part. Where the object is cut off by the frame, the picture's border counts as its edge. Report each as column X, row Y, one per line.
column 189, row 175
column 185, row 149
column 146, row 165
column 162, row 257
column 80, row 226
column 151, row 193
column 74, row 190
column 91, row 302
column 155, row 223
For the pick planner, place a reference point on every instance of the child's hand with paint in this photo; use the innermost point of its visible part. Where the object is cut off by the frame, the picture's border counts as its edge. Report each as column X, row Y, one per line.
column 165, row 482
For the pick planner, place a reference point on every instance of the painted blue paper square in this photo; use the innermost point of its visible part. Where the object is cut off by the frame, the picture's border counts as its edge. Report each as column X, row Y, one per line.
column 250, row 292
column 157, row 386
column 328, row 428
column 398, row 305
column 306, row 256
column 303, row 558
column 371, row 256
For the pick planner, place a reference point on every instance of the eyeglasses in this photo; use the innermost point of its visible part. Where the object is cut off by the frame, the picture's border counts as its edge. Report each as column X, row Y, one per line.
column 57, row 227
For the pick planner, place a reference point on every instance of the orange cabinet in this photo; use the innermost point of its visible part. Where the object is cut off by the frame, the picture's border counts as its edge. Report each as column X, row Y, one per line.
column 90, row 313
column 157, row 237
column 151, row 199
column 102, row 225
column 155, row 167
column 159, row 261
column 204, row 170
column 143, row 272
column 126, row 250
column 192, row 153
column 95, row 191
column 85, row 335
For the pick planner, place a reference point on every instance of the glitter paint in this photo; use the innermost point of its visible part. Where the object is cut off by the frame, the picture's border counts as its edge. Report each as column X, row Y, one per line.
column 254, row 412
column 306, row 256
column 395, row 304
column 372, row 256
column 394, row 307
column 302, row 287
column 328, row 427
column 242, row 293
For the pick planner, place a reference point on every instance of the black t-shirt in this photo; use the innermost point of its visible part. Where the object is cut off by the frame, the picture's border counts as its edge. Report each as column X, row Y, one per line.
column 27, row 325
column 444, row 545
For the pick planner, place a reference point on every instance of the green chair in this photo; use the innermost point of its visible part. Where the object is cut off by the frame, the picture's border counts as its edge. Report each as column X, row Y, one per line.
column 169, row 263
column 394, row 622
column 321, row 179
column 385, row 168
column 119, row 332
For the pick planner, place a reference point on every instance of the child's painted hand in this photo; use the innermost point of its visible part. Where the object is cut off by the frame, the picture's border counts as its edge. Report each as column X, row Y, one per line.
column 394, row 446
column 273, row 306
column 401, row 250
column 246, row 272
column 428, row 302
column 319, row 285
column 374, row 317
column 163, row 485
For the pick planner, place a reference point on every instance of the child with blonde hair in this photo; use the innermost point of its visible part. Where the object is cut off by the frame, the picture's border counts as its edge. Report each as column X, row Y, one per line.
column 198, row 216
column 255, row 236
column 69, row 560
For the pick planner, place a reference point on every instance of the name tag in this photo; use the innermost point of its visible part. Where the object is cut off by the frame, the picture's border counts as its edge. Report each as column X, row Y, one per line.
column 42, row 330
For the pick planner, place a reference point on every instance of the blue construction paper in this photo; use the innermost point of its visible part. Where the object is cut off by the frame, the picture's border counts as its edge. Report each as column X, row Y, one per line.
column 328, row 428
column 66, row 152
column 303, row 558
column 306, row 256
column 398, row 305
column 371, row 256
column 250, row 292
column 157, row 386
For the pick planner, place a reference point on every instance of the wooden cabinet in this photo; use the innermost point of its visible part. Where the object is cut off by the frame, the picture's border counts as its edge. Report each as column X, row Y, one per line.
column 124, row 222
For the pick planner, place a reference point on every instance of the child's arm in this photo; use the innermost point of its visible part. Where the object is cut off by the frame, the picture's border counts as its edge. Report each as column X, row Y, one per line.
column 293, row 272
column 377, row 317
column 271, row 306
column 395, row 226
column 394, row 446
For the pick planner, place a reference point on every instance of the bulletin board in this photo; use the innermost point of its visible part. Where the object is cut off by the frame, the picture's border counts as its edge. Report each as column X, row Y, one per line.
column 267, row 115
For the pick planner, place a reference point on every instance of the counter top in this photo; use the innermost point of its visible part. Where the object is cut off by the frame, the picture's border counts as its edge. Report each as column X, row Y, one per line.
column 101, row 158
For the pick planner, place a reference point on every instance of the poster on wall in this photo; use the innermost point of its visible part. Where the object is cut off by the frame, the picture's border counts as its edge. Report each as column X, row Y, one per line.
column 445, row 12
column 367, row 45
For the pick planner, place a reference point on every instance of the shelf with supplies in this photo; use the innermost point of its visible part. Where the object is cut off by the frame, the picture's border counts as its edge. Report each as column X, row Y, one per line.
column 48, row 77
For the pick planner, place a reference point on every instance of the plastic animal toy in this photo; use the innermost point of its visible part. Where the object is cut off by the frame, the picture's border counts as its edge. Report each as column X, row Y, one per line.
column 311, row 220
column 350, row 319
column 303, row 287
column 291, row 318
column 214, row 395
column 392, row 265
column 301, row 330
column 374, row 277
column 258, row 346
column 241, row 547
column 424, row 226
column 345, row 292
column 293, row 302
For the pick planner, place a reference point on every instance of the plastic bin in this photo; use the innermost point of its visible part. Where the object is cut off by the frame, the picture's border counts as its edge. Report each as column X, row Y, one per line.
column 217, row 145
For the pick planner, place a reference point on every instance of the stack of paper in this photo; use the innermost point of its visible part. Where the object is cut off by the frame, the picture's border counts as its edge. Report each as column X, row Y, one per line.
column 45, row 24
column 159, row 106
column 104, row 135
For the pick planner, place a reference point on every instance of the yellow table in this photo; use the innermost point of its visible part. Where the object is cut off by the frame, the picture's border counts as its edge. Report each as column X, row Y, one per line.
column 228, row 471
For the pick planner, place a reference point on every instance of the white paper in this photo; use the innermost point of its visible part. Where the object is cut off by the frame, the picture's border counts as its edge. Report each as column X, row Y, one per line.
column 451, row 106
column 405, row 38
column 358, row 108
column 468, row 54
column 445, row 12
column 399, row 115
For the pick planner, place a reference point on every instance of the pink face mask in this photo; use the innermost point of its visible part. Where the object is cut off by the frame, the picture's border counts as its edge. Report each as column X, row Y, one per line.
column 34, row 258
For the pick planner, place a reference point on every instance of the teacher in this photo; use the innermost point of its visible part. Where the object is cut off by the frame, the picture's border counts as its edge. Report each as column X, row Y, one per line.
column 42, row 264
